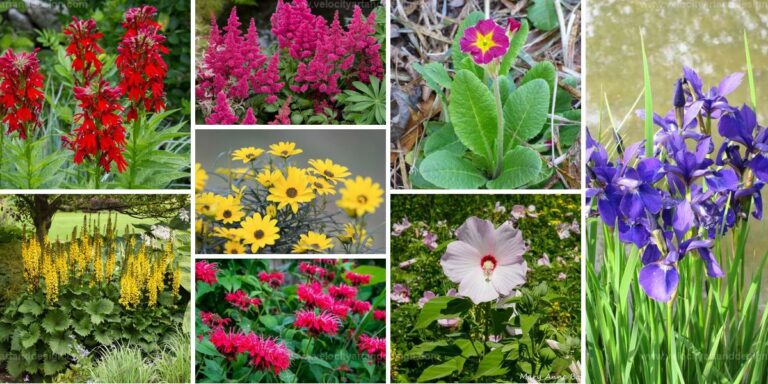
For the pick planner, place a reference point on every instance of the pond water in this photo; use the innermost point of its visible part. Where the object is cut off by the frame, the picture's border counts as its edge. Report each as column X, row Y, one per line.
column 706, row 35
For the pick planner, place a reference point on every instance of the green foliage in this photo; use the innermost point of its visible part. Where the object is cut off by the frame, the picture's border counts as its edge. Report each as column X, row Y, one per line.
column 547, row 308
column 543, row 14
column 367, row 105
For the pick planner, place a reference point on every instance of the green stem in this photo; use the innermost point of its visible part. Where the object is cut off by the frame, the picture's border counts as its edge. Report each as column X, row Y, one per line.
column 499, row 128
column 671, row 346
column 2, row 146
column 28, row 156
column 134, row 134
column 303, row 356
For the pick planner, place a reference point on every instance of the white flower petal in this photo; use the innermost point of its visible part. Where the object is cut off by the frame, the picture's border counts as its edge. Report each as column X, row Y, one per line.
column 506, row 278
column 459, row 259
column 478, row 233
column 509, row 247
column 477, row 288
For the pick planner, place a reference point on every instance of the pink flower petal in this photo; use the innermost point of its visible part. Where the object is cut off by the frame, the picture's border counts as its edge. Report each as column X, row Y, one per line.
column 477, row 288
column 510, row 246
column 460, row 259
column 506, row 278
column 478, row 233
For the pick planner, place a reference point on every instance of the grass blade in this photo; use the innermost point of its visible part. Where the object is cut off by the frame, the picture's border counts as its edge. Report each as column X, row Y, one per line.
column 648, row 102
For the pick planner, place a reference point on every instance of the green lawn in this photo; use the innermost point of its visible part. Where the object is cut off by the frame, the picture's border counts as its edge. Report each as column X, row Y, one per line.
column 63, row 222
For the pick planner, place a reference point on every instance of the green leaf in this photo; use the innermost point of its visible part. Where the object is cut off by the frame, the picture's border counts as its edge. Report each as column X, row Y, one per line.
column 83, row 326
column 521, row 166
column 442, row 307
column 525, row 112
column 318, row 361
column 60, row 345
column 473, row 114
column 435, row 75
column 515, row 45
column 544, row 70
column 213, row 371
column 428, row 346
column 30, row 306
column 433, row 372
column 103, row 336
column 52, row 366
column 205, row 347
column 30, row 336
column 443, row 138
column 543, row 14
column 527, row 322
column 491, row 364
column 55, row 321
column 99, row 309
column 447, row 170
column 269, row 321
column 471, row 19
column 378, row 274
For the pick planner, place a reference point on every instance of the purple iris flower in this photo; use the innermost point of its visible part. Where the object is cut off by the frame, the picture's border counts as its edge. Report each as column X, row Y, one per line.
column 740, row 127
column 640, row 196
column 712, row 103
column 659, row 276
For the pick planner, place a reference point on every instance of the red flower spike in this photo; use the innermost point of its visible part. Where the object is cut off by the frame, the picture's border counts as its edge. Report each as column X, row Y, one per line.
column 84, row 49
column 21, row 97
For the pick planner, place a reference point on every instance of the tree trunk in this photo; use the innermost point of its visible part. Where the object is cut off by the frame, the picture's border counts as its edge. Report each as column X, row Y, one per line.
column 42, row 210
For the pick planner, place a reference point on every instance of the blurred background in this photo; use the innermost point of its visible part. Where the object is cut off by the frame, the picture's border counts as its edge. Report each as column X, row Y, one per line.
column 362, row 151
column 704, row 35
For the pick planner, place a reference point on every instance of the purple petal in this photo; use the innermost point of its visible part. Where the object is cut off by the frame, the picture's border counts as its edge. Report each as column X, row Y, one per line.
column 729, row 83
column 730, row 127
column 659, row 281
column 727, row 180
column 693, row 78
column 632, row 205
column 682, row 220
column 651, row 254
column 713, row 268
column 648, row 169
column 651, row 198
column 634, row 233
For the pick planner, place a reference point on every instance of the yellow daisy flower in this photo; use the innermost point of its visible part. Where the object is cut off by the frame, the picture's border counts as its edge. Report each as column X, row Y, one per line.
column 284, row 149
column 360, row 196
column 272, row 210
column 232, row 234
column 353, row 233
column 268, row 178
column 247, row 155
column 234, row 248
column 258, row 231
column 321, row 186
column 201, row 177
column 229, row 210
column 332, row 172
column 292, row 190
column 312, row 242
column 206, row 203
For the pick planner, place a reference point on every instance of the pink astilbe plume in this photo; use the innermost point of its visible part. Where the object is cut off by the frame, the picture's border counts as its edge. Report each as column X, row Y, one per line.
column 360, row 39
column 316, row 324
column 241, row 300
column 374, row 346
column 297, row 29
column 222, row 113
column 249, row 118
column 284, row 115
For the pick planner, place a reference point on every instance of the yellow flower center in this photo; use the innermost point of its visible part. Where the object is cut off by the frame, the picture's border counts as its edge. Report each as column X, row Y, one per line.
column 291, row 192
column 259, row 234
column 485, row 42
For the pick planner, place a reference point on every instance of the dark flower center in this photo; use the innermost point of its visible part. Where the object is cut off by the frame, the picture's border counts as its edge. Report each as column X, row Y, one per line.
column 328, row 173
column 284, row 152
column 291, row 192
column 362, row 199
column 227, row 214
column 318, row 185
column 259, row 234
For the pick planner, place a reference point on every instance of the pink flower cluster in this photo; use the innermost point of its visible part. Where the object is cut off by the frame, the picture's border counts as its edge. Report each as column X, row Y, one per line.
column 234, row 69
column 265, row 353
column 334, row 54
column 317, row 323
column 357, row 279
column 241, row 300
column 213, row 320
column 206, row 272
column 374, row 346
column 274, row 279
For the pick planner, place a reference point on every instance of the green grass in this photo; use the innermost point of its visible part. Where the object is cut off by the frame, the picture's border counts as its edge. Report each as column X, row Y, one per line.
column 123, row 364
column 63, row 222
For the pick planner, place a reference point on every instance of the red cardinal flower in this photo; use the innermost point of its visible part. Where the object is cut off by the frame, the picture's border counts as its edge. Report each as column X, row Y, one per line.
column 101, row 135
column 21, row 97
column 142, row 68
column 84, row 49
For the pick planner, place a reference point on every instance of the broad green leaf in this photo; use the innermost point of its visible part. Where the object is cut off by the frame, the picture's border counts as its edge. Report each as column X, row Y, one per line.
column 83, row 326
column 521, row 166
column 30, row 336
column 516, row 43
column 467, row 349
column 543, row 14
column 473, row 114
column 527, row 322
column 471, row 19
column 525, row 112
column 30, row 306
column 99, row 309
column 55, row 321
column 490, row 365
column 378, row 274
column 433, row 372
column 447, row 170
column 205, row 347
column 60, row 345
column 435, row 75
column 442, row 307
column 318, row 361
column 443, row 138
column 544, row 70
column 52, row 365
column 269, row 321
column 213, row 371
column 427, row 347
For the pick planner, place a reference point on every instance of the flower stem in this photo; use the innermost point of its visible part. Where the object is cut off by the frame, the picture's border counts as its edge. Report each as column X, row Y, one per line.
column 499, row 128
column 28, row 156
column 2, row 146
column 487, row 9
column 672, row 357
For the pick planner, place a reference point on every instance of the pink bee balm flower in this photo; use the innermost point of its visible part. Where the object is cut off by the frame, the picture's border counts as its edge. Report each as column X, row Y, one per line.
column 359, row 307
column 485, row 41
column 274, row 279
column 241, row 300
column 374, row 346
column 342, row 291
column 317, row 324
column 486, row 263
column 380, row 315
column 357, row 278
column 213, row 320
column 206, row 272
